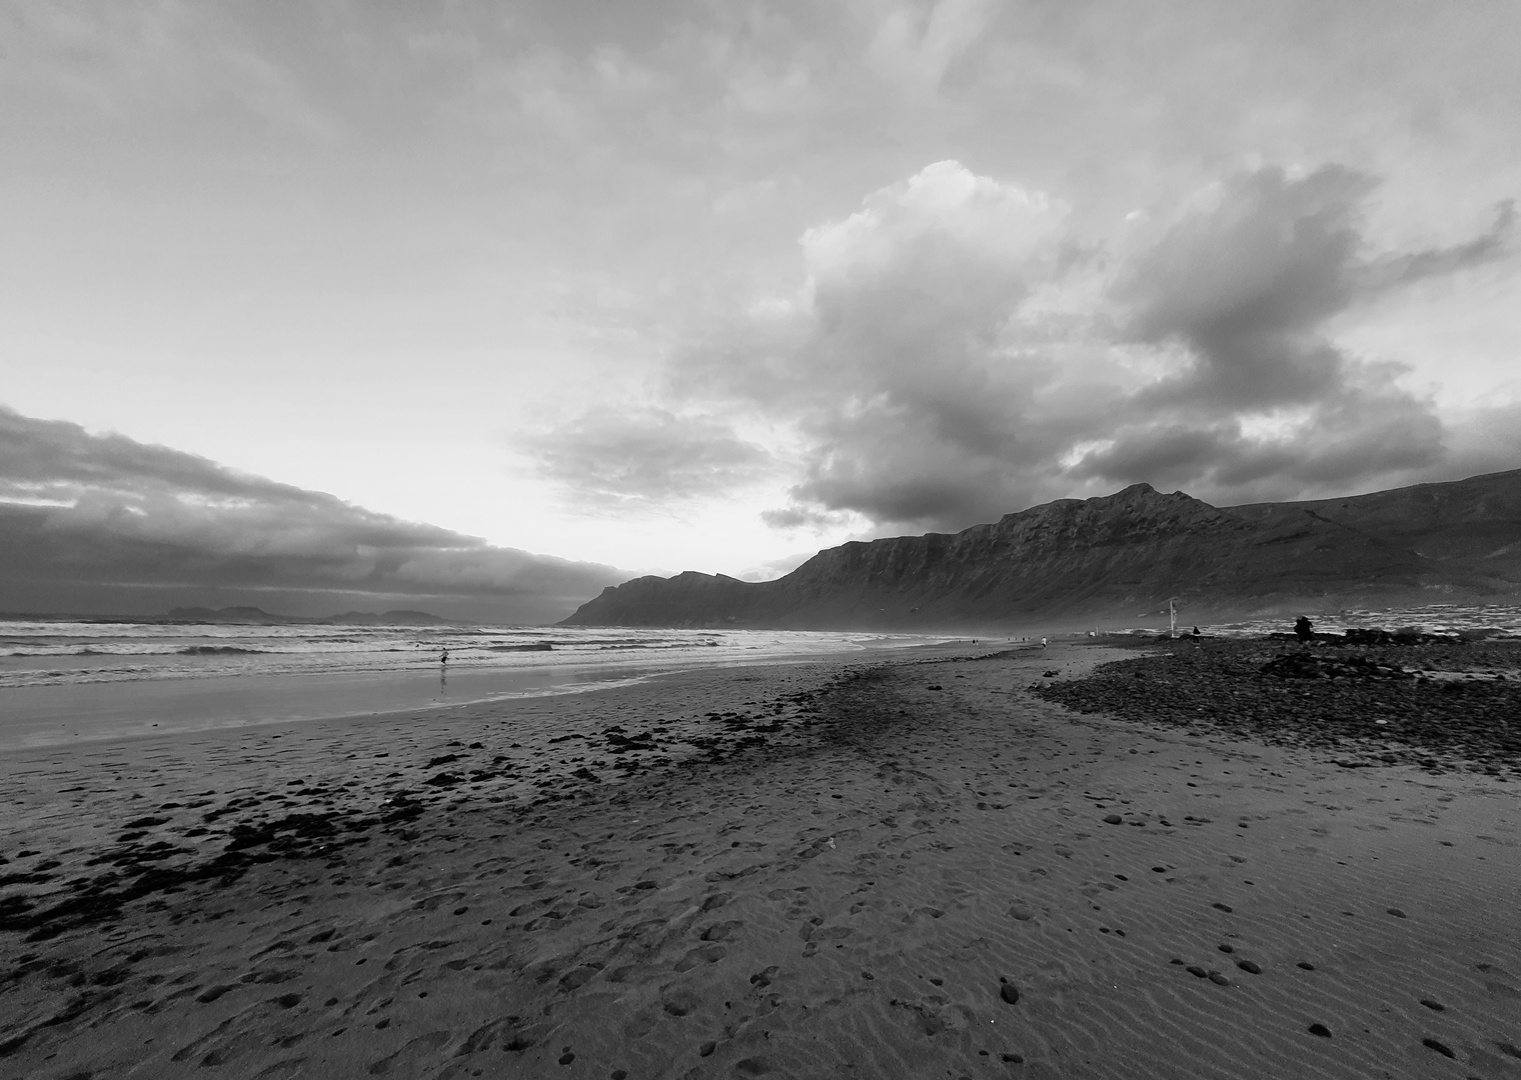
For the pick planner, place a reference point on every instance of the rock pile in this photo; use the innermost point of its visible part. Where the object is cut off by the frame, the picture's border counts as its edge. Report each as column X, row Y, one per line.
column 1435, row 723
column 1305, row 665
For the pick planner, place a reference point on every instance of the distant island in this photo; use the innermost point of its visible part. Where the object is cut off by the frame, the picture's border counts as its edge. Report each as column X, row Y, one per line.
column 1118, row 558
column 253, row 616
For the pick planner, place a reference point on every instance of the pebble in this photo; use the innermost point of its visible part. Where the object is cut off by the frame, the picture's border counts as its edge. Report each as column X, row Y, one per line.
column 1218, row 979
column 1437, row 1005
column 1196, row 971
column 1013, row 1059
column 706, row 1048
column 1248, row 966
column 1009, row 992
column 1306, row 965
column 567, row 1058
column 1321, row 1030
column 1397, row 913
column 1432, row 1044
column 1112, row 819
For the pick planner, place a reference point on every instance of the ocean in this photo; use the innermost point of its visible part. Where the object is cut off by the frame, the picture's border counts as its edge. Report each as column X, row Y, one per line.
column 62, row 682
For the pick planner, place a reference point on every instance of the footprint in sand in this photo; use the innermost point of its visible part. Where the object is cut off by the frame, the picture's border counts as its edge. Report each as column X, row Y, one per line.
column 413, row 1051
column 680, row 1003
column 708, row 954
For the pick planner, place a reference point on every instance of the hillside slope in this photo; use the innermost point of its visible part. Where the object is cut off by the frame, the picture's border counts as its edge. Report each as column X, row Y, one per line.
column 1114, row 557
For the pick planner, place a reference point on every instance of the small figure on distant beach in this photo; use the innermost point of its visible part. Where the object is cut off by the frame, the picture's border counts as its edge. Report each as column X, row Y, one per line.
column 444, row 658
column 1303, row 629
column 1043, row 643
column 1196, row 632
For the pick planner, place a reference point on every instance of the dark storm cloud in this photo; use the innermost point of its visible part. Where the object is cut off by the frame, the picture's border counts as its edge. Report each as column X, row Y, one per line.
column 87, row 516
column 1246, row 286
column 958, row 354
column 1244, row 289
column 638, row 457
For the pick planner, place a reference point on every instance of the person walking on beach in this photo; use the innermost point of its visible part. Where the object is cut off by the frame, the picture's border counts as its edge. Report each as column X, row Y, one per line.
column 444, row 659
column 1303, row 628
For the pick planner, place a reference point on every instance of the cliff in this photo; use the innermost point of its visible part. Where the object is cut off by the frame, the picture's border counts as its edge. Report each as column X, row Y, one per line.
column 1119, row 556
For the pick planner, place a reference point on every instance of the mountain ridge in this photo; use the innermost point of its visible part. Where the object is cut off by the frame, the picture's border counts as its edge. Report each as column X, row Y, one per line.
column 1087, row 561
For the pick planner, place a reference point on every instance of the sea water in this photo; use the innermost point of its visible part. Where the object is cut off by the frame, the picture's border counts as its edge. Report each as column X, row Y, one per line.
column 62, row 682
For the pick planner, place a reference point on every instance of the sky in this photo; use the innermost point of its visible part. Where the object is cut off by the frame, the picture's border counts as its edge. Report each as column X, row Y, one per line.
column 479, row 307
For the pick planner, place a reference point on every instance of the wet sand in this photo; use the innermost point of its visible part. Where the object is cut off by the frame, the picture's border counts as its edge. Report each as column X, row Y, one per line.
column 830, row 869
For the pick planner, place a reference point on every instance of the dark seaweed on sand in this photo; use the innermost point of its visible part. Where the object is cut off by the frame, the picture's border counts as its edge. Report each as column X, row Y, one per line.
column 1221, row 686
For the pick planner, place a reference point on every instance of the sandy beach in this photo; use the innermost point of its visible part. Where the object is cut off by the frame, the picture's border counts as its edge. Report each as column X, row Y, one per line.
column 911, row 868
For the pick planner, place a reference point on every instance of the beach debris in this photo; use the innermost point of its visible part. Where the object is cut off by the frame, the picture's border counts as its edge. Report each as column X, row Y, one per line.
column 1008, row 991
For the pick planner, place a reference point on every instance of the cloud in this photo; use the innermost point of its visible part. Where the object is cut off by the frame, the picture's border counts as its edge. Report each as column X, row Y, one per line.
column 916, row 43
column 960, row 350
column 641, row 458
column 792, row 518
column 771, row 569
column 104, row 521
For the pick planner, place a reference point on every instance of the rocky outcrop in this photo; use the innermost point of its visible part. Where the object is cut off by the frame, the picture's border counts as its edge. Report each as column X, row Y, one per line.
column 1117, row 557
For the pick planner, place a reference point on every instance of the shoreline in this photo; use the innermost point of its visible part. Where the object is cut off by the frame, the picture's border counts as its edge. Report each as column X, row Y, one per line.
column 846, row 890
column 109, row 712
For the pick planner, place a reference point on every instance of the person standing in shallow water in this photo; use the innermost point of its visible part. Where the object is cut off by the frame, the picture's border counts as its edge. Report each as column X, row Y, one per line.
column 1303, row 628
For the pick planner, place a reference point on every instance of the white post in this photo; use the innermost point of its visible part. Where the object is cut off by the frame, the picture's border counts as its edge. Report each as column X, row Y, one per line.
column 1172, row 619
